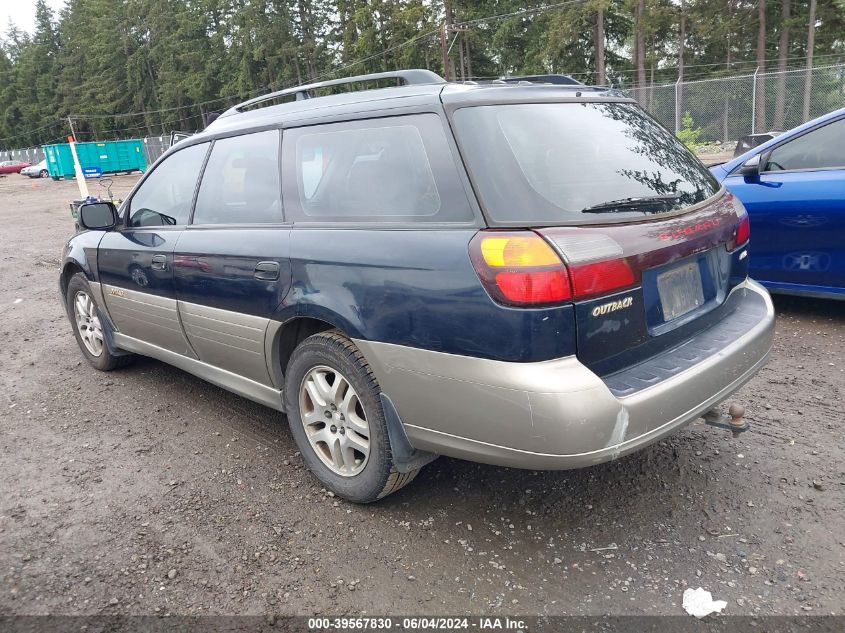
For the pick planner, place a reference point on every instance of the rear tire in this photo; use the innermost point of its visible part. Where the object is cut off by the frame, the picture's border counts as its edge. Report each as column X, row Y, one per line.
column 89, row 324
column 335, row 415
column 43, row 173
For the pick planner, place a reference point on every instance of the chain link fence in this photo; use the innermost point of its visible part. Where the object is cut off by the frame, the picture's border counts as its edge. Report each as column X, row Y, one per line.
column 155, row 146
column 729, row 108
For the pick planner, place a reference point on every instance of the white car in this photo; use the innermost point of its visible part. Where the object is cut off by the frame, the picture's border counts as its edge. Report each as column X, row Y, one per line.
column 39, row 170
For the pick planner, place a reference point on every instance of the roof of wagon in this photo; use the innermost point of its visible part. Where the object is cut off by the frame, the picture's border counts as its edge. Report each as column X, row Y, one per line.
column 307, row 107
column 345, row 103
column 480, row 94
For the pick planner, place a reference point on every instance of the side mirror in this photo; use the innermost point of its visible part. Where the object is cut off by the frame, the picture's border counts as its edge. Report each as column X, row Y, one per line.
column 98, row 216
column 750, row 169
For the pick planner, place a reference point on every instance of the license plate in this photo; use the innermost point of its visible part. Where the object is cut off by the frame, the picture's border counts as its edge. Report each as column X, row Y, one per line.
column 680, row 290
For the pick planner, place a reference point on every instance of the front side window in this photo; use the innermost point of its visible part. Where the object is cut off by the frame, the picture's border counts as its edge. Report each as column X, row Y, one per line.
column 549, row 163
column 165, row 196
column 822, row 148
column 241, row 181
column 396, row 169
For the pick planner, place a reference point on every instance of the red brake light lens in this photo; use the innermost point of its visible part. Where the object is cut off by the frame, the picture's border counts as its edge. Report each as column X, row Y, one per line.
column 538, row 287
column 519, row 268
column 743, row 231
column 602, row 277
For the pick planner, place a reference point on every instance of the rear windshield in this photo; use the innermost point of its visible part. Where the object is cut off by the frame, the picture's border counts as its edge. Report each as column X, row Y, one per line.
column 574, row 162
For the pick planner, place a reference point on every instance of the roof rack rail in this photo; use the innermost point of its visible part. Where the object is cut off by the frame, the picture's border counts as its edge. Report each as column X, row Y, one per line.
column 559, row 80
column 415, row 76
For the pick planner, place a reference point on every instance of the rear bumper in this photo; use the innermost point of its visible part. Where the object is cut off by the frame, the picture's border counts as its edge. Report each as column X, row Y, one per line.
column 558, row 414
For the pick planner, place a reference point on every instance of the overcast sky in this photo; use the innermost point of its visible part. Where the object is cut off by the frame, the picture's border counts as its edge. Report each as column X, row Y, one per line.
column 22, row 13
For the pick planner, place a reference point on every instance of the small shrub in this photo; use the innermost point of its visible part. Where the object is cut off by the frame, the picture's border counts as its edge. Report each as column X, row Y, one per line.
column 688, row 134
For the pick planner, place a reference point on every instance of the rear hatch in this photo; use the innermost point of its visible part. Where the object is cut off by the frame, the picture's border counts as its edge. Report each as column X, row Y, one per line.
column 644, row 287
column 649, row 245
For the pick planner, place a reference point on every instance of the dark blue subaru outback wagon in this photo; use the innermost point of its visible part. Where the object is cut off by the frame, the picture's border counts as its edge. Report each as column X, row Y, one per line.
column 534, row 276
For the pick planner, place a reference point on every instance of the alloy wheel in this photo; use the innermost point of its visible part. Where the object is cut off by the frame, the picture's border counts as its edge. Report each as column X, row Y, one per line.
column 88, row 323
column 335, row 421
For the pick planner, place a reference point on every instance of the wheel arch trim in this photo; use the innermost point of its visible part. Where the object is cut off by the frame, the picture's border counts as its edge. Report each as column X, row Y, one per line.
column 293, row 323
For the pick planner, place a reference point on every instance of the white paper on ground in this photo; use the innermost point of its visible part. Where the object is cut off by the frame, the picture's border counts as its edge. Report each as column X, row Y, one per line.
column 699, row 602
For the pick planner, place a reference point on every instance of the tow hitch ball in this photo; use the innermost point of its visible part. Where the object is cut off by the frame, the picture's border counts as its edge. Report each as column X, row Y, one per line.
column 733, row 421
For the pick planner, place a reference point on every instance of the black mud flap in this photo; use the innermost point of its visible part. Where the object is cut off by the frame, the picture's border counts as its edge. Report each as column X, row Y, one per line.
column 405, row 457
column 108, row 335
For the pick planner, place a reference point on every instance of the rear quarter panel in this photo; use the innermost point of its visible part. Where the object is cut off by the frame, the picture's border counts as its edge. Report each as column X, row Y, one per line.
column 416, row 288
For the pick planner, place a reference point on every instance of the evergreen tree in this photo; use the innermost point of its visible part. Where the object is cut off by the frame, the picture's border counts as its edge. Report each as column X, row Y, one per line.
column 145, row 67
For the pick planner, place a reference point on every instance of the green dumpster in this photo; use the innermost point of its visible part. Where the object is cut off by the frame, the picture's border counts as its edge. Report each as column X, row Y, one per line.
column 107, row 157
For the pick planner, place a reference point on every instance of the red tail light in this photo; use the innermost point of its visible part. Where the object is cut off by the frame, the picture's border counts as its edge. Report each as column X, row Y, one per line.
column 596, row 262
column 601, row 277
column 519, row 268
column 743, row 231
column 537, row 287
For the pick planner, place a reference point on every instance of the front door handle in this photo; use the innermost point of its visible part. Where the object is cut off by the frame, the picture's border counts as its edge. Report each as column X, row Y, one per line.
column 268, row 271
column 159, row 262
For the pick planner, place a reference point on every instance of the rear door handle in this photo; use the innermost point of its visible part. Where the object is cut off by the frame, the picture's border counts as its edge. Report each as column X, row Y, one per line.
column 159, row 262
column 268, row 271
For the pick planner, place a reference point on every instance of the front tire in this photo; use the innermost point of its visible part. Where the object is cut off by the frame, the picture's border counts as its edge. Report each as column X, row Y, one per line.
column 43, row 173
column 88, row 324
column 335, row 415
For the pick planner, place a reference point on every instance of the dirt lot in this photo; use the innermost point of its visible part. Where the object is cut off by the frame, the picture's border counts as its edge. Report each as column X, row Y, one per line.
column 150, row 491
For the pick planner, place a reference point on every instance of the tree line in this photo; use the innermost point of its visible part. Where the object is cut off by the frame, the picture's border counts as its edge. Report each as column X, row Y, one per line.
column 124, row 68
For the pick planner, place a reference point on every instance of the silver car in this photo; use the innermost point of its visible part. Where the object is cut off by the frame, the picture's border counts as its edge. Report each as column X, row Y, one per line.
column 39, row 170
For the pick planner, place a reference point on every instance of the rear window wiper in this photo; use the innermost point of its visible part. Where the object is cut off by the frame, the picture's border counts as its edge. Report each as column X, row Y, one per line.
column 627, row 203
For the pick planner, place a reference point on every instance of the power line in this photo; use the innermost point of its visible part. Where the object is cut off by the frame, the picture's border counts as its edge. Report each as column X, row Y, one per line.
column 124, row 115
column 268, row 87
column 329, row 73
column 748, row 65
column 476, row 21
column 749, row 62
column 143, row 125
column 493, row 18
column 746, row 76
column 38, row 129
column 541, row 9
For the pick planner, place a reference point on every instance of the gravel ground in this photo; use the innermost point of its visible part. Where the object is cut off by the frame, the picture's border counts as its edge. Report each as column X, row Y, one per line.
column 149, row 491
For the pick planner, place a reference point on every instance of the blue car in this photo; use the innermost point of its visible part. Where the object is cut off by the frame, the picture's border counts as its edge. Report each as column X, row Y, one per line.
column 538, row 276
column 793, row 187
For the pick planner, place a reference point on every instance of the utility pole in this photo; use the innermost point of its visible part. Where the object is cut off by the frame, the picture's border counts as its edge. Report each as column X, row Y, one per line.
column 448, row 27
column 80, row 177
column 461, row 60
column 444, row 48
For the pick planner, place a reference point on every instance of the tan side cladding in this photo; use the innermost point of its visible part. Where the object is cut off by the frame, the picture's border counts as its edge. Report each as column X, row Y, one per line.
column 146, row 316
column 231, row 340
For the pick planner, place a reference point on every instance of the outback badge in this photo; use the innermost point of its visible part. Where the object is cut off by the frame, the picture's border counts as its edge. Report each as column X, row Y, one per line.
column 613, row 306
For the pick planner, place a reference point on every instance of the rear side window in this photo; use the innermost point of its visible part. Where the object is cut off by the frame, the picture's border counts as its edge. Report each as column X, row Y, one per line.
column 396, row 169
column 165, row 196
column 823, row 148
column 550, row 163
column 240, row 184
